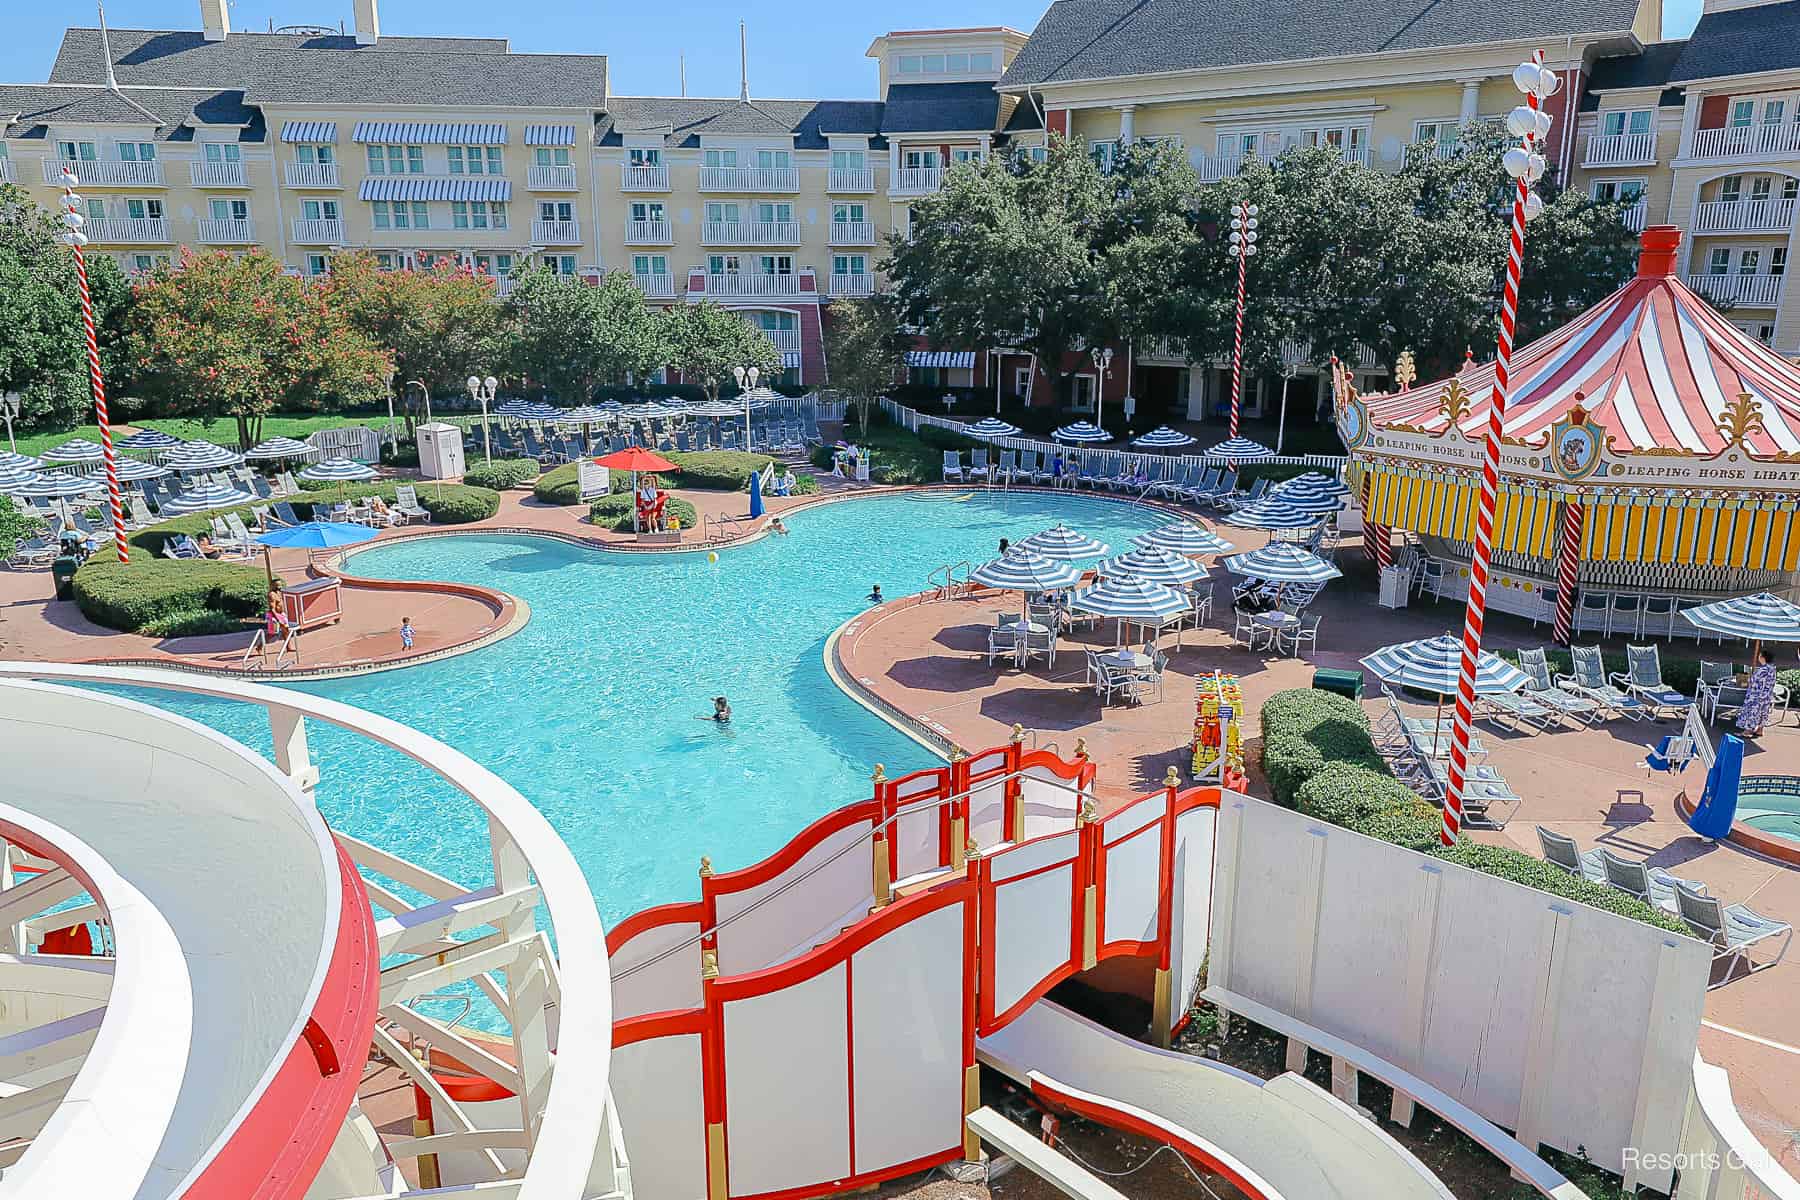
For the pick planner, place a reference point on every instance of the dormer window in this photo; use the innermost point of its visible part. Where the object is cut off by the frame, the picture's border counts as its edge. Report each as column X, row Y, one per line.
column 959, row 63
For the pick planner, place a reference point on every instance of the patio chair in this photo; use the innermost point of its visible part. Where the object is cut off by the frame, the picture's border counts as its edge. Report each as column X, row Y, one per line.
column 1522, row 712
column 181, row 546
column 953, row 468
column 1002, row 642
column 1713, row 677
column 1588, row 678
column 1203, row 603
column 239, row 532
column 1088, row 472
column 1560, row 850
column 32, row 552
column 978, row 465
column 1292, row 638
column 1247, row 632
column 1232, row 501
column 1731, row 929
column 1592, row 611
column 1226, row 485
column 1154, row 674
column 1008, row 468
column 289, row 485
column 140, row 512
column 1542, row 688
column 1657, row 616
column 406, row 504
column 1652, row 885
column 1199, row 483
column 1643, row 679
column 1041, row 643
column 1480, row 796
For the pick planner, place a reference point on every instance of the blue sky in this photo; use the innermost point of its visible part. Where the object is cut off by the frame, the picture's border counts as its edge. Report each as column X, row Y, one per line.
column 809, row 49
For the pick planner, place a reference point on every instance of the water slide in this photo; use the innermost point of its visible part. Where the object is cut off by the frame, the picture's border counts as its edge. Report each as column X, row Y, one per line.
column 226, row 1055
column 1278, row 1139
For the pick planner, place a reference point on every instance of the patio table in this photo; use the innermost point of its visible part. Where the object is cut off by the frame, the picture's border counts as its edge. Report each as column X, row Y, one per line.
column 1126, row 660
column 1019, row 630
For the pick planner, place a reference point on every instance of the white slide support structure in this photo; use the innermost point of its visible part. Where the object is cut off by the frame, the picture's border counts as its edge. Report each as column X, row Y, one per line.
column 1280, row 1139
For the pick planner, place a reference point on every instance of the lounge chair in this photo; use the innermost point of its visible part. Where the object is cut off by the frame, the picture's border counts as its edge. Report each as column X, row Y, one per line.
column 953, row 468
column 284, row 513
column 32, row 552
column 1520, row 709
column 1732, row 929
column 1652, row 885
column 1587, row 677
column 1560, row 850
column 289, row 485
column 1008, row 470
column 1643, row 679
column 1542, row 688
column 406, row 504
column 978, row 465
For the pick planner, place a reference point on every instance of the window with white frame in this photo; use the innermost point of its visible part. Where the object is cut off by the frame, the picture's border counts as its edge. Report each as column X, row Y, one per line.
column 849, row 264
column 1440, row 133
column 548, row 156
column 647, row 210
column 649, row 156
column 775, row 264
column 555, row 210
column 96, row 208
column 1731, row 188
column 774, row 212
column 230, row 210
column 76, row 151
column 649, row 264
column 1104, row 154
column 137, row 151
column 717, row 157
column 140, row 208
column 919, row 159
column 1628, row 191
column 953, row 63
column 396, row 160
column 1719, row 261
column 320, row 154
column 318, row 264
column 223, row 152
column 1778, row 260
column 774, row 159
column 1749, row 261
column 1021, row 380
column 491, row 264
column 723, row 264
column 560, row 264
column 476, row 160
column 387, row 260
column 775, row 322
column 470, row 214
column 722, row 211
column 1634, row 120
column 319, row 210
column 401, row 214
column 965, row 154
column 848, row 160
column 848, row 214
column 143, row 264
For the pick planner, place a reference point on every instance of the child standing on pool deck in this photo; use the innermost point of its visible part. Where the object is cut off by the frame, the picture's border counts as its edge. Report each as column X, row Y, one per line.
column 406, row 633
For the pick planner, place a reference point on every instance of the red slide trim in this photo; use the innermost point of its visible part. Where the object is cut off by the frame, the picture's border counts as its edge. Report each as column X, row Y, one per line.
column 828, row 1187
column 679, row 913
column 794, row 851
column 1118, row 1118
column 644, row 1027
column 278, row 1149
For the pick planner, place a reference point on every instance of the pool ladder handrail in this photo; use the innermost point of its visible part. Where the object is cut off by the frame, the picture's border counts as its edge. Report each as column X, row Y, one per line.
column 943, row 580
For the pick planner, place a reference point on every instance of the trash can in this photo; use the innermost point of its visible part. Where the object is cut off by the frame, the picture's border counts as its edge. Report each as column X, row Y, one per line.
column 1344, row 683
column 63, row 572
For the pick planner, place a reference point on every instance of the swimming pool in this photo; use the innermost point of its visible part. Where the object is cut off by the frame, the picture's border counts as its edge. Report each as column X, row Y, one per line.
column 1771, row 804
column 596, row 710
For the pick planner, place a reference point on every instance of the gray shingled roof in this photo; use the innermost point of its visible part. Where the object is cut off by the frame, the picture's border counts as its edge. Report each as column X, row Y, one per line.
column 408, row 77
column 684, row 120
column 929, row 107
column 1743, row 42
column 27, row 109
column 184, row 58
column 1099, row 39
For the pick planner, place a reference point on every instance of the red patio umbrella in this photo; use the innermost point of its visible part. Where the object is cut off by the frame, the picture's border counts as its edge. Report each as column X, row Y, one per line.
column 635, row 459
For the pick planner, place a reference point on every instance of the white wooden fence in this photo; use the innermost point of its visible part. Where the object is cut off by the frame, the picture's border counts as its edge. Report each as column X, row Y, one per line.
column 355, row 442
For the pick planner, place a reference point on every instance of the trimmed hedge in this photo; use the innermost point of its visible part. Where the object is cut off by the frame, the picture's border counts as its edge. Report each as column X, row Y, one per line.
column 448, row 504
column 502, row 473
column 150, row 592
column 717, row 470
column 194, row 623
column 614, row 512
column 1329, row 768
column 559, row 485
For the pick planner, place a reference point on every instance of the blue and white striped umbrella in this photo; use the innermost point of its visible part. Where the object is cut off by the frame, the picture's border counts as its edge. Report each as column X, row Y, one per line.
column 1760, row 618
column 75, row 450
column 608, row 405
column 1275, row 512
column 1234, row 449
column 537, row 411
column 1022, row 570
column 57, row 483
column 1320, row 497
column 587, row 414
column 1312, row 482
column 19, row 462
column 1062, row 544
column 1163, row 438
column 279, row 447
column 15, row 480
column 131, row 470
column 148, row 439
column 1154, row 565
column 512, row 407
column 1283, row 562
column 990, row 427
column 1082, row 432
column 208, row 496
column 1432, row 665
column 1184, row 537
column 1137, row 600
column 200, row 456
column 337, row 470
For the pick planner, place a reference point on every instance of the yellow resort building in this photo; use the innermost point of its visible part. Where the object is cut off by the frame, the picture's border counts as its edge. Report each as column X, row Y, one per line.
column 307, row 141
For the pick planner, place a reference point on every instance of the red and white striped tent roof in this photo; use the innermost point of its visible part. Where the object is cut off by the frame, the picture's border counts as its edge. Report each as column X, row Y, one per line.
column 1654, row 364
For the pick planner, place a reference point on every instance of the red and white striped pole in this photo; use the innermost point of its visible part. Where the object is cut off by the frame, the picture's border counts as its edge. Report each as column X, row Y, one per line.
column 1568, row 567
column 1526, row 164
column 73, row 219
column 1243, row 245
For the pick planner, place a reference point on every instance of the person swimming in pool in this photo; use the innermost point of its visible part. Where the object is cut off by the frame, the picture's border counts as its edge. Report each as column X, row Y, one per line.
column 721, row 710
column 874, row 596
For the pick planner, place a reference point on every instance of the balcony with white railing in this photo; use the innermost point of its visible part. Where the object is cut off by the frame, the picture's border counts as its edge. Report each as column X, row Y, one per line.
column 319, row 232
column 504, row 285
column 226, row 232
column 850, row 287
column 105, row 172
column 1619, row 150
column 649, row 233
column 738, row 286
column 916, row 181
column 1746, row 141
column 852, row 233
column 643, row 179
column 556, row 233
column 6, row 171
column 1635, row 217
column 851, row 179
column 1213, row 167
column 217, row 175
column 750, row 233
column 786, row 340
column 1745, row 291
column 551, row 178
column 312, row 175
column 1744, row 216
column 656, row 287
column 127, row 231
column 749, row 179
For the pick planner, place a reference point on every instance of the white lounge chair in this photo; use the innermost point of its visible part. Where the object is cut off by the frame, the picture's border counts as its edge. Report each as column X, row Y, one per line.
column 1732, row 929
column 1643, row 680
column 1542, row 688
column 407, row 506
column 1587, row 677
column 1652, row 885
column 953, row 468
column 1560, row 850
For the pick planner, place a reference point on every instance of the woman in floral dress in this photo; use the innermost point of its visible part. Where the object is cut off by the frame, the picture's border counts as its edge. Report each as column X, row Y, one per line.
column 1759, row 697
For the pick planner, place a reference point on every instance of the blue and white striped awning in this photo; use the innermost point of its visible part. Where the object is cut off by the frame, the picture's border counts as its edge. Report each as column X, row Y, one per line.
column 1283, row 562
column 419, row 187
column 1062, row 544
column 336, row 470
column 309, row 131
column 549, row 135
column 790, row 359
column 1024, row 570
column 435, row 133
column 1432, row 665
column 955, row 359
column 1137, row 600
column 1761, row 618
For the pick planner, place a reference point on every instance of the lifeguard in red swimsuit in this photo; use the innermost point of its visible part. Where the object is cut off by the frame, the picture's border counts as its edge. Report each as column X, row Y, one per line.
column 650, row 503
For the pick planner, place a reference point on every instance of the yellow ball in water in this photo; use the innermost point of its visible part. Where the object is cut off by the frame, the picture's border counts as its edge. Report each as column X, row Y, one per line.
column 712, row 556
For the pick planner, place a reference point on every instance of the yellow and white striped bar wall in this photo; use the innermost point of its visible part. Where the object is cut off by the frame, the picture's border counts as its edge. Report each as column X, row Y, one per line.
column 1442, row 504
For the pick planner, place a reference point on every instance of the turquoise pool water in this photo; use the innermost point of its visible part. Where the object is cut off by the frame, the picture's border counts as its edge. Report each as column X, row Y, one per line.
column 1771, row 803
column 595, row 710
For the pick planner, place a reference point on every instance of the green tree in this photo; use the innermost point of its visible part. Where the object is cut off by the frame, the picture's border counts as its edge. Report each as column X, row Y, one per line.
column 43, row 346
column 706, row 342
column 865, row 349
column 569, row 336
column 220, row 335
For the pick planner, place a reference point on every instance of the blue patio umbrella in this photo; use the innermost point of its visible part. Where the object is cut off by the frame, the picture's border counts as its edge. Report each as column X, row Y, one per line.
column 75, row 450
column 316, row 535
column 990, row 427
column 1156, row 565
column 1062, row 544
column 200, row 456
column 1238, row 448
column 1273, row 512
column 1311, row 482
column 1163, row 438
column 1184, row 537
column 134, row 469
column 206, row 497
column 756, row 500
column 56, row 484
column 1138, row 601
column 16, row 480
column 148, row 439
column 1082, row 432
column 19, row 462
column 279, row 447
column 1760, row 618
column 1025, row 570
column 338, row 470
column 1283, row 562
column 1433, row 664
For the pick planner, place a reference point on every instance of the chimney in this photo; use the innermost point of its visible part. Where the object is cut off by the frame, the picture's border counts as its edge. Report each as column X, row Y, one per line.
column 215, row 19
column 368, row 23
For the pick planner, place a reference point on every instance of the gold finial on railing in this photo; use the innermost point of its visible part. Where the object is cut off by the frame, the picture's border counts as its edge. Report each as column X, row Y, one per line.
column 1018, row 733
column 1088, row 813
column 1081, row 750
column 709, row 964
column 705, row 866
column 879, row 776
column 957, row 754
column 971, row 849
column 1173, row 777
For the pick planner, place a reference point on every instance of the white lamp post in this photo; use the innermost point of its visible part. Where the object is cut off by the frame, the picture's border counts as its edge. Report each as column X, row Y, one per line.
column 1102, row 371
column 482, row 392
column 746, row 381
column 9, row 408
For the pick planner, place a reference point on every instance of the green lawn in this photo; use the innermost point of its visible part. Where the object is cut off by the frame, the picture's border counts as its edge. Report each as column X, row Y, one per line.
column 222, row 431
